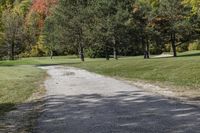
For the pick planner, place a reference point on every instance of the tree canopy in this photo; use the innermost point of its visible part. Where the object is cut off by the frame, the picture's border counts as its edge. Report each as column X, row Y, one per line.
column 99, row 28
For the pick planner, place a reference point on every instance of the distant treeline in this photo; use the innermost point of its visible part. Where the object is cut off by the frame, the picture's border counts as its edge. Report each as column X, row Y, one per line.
column 98, row 28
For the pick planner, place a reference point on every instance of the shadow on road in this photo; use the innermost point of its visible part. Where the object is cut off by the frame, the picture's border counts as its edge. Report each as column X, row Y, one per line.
column 125, row 112
column 21, row 119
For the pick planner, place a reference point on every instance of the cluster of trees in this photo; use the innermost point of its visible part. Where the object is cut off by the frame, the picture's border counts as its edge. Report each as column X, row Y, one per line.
column 98, row 28
column 21, row 27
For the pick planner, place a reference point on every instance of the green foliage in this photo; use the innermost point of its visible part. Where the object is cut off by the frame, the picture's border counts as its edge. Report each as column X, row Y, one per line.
column 182, row 48
column 91, row 53
column 194, row 46
column 195, row 4
column 13, row 32
column 100, row 27
column 22, row 6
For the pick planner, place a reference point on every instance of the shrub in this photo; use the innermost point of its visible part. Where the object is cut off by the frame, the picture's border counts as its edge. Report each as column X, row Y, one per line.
column 182, row 48
column 194, row 46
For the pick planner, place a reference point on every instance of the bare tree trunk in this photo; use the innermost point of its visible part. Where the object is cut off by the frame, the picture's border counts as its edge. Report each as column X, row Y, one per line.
column 78, row 53
column 107, row 54
column 115, row 53
column 12, row 56
column 82, row 52
column 147, row 49
column 115, row 49
column 173, row 41
column 51, row 54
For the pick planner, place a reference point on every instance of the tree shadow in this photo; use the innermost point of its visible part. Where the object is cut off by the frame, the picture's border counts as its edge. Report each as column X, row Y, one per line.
column 189, row 55
column 40, row 65
column 19, row 118
column 5, row 107
column 45, row 65
column 125, row 112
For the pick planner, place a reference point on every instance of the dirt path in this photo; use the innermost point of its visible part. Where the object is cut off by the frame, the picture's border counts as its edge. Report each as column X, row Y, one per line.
column 78, row 101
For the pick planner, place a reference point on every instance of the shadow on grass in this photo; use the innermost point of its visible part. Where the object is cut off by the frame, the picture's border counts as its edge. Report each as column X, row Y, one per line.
column 21, row 119
column 6, row 107
column 125, row 112
column 189, row 55
column 43, row 65
column 38, row 65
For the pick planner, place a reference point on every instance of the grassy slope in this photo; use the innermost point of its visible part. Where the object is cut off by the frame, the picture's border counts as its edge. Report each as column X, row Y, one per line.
column 181, row 71
column 20, row 79
column 17, row 83
column 41, row 61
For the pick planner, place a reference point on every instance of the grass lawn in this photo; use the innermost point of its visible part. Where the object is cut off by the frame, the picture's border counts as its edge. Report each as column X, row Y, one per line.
column 18, row 83
column 19, row 79
column 182, row 72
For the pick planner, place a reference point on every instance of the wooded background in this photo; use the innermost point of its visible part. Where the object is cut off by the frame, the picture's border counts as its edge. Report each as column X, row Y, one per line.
column 98, row 28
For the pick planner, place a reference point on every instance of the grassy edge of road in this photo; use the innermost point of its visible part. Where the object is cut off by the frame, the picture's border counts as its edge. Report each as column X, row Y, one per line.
column 179, row 75
column 18, row 84
column 19, row 79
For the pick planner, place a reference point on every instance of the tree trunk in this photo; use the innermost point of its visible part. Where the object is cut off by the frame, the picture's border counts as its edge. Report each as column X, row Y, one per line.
column 82, row 53
column 77, row 53
column 115, row 53
column 107, row 54
column 12, row 56
column 147, row 49
column 173, row 40
column 51, row 54
column 115, row 49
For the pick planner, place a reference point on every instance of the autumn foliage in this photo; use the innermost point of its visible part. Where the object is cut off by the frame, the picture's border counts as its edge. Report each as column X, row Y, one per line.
column 41, row 8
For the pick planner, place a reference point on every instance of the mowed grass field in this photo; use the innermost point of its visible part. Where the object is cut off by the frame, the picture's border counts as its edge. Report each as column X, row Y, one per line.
column 181, row 71
column 17, row 84
column 21, row 78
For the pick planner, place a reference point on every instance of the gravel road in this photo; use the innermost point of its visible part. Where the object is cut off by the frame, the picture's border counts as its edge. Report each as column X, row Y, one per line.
column 78, row 101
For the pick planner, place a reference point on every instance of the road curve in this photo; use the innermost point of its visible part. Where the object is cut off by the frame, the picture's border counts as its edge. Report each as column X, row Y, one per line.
column 78, row 101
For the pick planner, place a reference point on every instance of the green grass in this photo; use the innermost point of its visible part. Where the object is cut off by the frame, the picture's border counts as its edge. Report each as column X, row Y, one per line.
column 41, row 61
column 180, row 71
column 18, row 83
column 19, row 79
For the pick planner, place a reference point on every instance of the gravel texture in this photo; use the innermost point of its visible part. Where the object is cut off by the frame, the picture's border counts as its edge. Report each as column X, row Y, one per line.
column 78, row 101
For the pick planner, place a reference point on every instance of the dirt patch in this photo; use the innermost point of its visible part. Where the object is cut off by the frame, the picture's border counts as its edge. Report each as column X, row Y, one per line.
column 68, row 73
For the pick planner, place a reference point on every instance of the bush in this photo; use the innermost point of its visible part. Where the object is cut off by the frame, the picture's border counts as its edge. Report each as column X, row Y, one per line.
column 194, row 46
column 95, row 52
column 155, row 49
column 167, row 48
column 90, row 53
column 182, row 48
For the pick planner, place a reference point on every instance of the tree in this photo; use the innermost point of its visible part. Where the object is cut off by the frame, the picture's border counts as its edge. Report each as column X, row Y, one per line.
column 13, row 31
column 195, row 4
column 50, row 34
column 141, row 20
column 71, row 19
column 173, row 22
column 109, row 26
column 35, row 17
